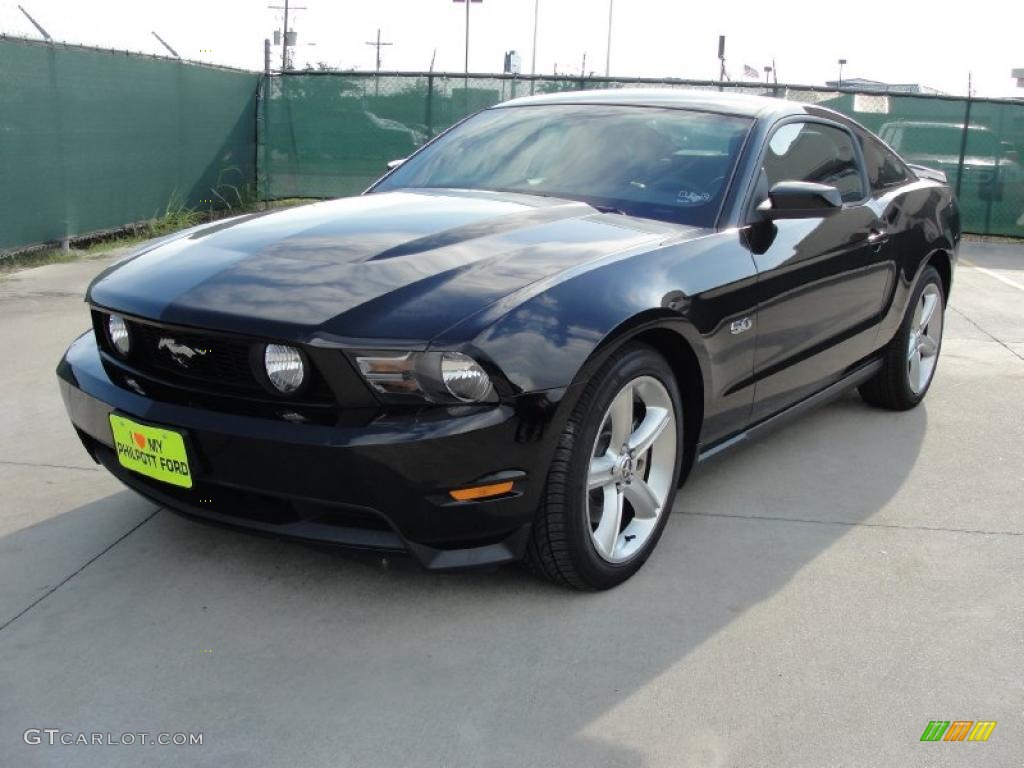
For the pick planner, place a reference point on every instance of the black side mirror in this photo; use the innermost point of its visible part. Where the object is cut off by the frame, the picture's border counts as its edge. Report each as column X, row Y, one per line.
column 392, row 164
column 800, row 200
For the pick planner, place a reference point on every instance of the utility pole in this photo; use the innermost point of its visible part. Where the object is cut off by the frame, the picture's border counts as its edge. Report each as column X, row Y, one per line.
column 378, row 45
column 163, row 42
column 583, row 66
column 467, row 2
column 266, row 57
column 284, row 38
column 608, row 50
column 37, row 25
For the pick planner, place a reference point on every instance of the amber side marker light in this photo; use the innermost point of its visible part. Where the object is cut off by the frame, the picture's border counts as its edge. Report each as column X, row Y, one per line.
column 481, row 491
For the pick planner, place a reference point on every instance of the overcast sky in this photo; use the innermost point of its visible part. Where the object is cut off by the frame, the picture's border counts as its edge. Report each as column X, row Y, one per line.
column 894, row 41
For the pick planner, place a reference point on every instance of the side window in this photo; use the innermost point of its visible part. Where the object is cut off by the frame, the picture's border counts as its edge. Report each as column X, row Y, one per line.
column 813, row 152
column 884, row 168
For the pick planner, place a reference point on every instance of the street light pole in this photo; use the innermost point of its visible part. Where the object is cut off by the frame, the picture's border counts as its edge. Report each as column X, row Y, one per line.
column 533, row 64
column 608, row 53
column 467, row 2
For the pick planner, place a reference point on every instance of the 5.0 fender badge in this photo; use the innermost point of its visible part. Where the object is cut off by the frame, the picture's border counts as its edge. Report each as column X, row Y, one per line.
column 741, row 325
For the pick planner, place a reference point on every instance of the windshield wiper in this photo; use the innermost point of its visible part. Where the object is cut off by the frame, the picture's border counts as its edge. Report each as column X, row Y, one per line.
column 608, row 209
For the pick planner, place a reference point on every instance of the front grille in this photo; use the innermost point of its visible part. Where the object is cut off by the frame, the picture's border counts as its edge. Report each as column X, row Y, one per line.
column 213, row 359
column 206, row 362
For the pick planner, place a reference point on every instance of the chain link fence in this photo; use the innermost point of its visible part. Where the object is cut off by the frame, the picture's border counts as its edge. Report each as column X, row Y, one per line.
column 328, row 134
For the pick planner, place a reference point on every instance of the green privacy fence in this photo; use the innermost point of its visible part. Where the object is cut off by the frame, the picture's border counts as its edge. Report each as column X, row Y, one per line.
column 93, row 139
column 327, row 134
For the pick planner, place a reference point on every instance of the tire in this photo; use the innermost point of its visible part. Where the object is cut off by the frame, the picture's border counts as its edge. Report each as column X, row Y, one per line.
column 568, row 543
column 910, row 360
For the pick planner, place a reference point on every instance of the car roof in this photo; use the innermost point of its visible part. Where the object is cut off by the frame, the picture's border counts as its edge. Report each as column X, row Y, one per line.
column 740, row 104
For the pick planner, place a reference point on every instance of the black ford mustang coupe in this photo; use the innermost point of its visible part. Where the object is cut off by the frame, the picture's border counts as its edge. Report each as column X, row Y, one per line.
column 518, row 342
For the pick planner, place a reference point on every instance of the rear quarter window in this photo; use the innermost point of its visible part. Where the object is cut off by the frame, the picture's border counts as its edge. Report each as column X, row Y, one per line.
column 884, row 169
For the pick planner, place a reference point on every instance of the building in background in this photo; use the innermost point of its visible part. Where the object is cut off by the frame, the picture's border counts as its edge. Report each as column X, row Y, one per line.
column 877, row 86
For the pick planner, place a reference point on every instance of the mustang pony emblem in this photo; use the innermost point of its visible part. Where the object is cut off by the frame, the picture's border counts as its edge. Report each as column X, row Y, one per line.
column 182, row 354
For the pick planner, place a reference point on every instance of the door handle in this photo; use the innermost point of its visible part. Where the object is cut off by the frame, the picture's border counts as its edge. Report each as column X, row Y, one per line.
column 877, row 235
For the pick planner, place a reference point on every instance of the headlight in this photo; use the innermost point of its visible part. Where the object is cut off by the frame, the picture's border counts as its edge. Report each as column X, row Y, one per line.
column 438, row 377
column 117, row 331
column 464, row 378
column 285, row 368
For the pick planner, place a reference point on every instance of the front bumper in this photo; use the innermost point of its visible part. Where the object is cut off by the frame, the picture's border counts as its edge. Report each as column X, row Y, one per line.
column 371, row 480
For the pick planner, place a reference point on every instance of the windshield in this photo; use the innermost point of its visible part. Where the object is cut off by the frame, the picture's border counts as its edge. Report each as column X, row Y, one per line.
column 666, row 164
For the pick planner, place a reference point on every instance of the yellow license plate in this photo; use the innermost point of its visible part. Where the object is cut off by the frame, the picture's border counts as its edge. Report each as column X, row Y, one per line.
column 151, row 451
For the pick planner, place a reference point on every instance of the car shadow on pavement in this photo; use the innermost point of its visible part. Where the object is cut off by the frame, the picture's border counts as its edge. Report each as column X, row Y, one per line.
column 284, row 654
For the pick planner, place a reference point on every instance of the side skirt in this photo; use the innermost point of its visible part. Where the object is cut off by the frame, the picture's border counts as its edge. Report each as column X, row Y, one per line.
column 831, row 392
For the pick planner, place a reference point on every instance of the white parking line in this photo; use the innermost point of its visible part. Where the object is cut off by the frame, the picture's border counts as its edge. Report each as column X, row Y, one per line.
column 996, row 275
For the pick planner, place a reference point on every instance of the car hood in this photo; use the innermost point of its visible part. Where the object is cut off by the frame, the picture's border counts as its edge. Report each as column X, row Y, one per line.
column 401, row 265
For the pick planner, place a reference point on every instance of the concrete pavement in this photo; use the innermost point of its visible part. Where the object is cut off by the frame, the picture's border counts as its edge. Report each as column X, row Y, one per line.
column 817, row 598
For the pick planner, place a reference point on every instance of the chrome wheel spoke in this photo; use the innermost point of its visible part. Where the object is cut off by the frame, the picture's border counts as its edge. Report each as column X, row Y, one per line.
column 915, row 324
column 928, row 346
column 646, row 504
column 601, row 470
column 649, row 430
column 607, row 533
column 928, row 303
column 621, row 413
column 915, row 370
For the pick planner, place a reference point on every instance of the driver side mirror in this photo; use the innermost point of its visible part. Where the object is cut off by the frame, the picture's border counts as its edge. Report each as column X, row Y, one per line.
column 800, row 200
column 392, row 164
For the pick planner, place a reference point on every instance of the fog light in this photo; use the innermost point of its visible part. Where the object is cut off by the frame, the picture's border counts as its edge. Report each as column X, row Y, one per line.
column 285, row 368
column 117, row 331
column 464, row 378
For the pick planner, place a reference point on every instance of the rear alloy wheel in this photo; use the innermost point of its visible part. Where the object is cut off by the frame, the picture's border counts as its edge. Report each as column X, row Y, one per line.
column 611, row 486
column 910, row 359
column 925, row 335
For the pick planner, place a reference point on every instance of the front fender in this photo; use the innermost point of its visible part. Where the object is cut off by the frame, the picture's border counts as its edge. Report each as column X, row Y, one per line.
column 557, row 336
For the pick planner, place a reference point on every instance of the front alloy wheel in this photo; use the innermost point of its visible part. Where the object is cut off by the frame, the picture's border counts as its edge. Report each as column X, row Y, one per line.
column 631, row 469
column 613, row 478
